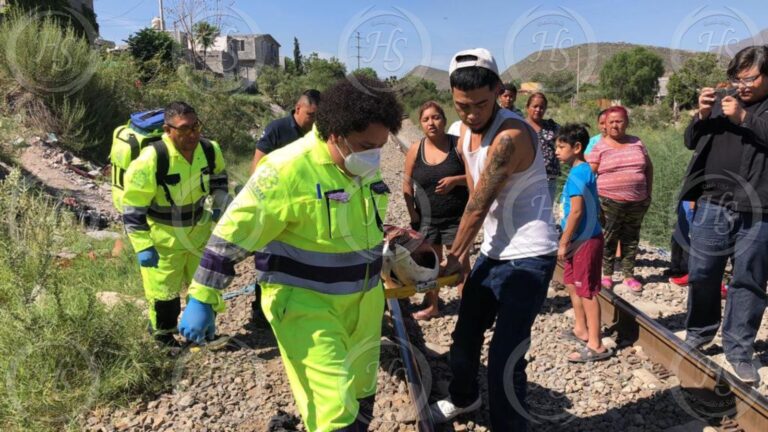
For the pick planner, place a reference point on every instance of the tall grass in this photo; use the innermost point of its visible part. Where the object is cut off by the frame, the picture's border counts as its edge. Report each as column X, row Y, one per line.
column 62, row 351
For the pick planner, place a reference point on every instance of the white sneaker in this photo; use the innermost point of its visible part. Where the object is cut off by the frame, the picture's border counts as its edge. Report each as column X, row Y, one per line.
column 444, row 410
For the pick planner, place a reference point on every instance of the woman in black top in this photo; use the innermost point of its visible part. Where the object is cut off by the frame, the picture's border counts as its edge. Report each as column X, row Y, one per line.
column 435, row 189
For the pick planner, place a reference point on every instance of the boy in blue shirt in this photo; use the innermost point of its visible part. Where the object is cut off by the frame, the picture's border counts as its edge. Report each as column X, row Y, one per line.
column 581, row 245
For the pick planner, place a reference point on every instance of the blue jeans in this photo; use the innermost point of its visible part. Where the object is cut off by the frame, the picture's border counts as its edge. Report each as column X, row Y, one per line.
column 718, row 233
column 511, row 293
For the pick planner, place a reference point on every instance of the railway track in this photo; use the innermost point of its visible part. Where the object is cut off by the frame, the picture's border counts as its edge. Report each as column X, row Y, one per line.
column 718, row 395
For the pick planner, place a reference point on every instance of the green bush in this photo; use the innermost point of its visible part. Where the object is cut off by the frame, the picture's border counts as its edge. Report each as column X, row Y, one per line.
column 66, row 87
column 62, row 351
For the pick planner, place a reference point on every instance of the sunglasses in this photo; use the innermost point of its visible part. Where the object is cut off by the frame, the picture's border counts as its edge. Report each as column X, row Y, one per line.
column 184, row 130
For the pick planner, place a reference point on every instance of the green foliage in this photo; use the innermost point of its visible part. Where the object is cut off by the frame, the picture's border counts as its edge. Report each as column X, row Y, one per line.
column 61, row 84
column 284, row 87
column 559, row 86
column 703, row 70
column 82, row 21
column 632, row 76
column 366, row 72
column 415, row 91
column 62, row 351
column 153, row 50
column 297, row 62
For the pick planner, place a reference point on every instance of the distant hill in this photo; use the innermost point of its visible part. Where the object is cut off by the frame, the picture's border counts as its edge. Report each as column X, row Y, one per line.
column 591, row 58
column 437, row 76
column 731, row 49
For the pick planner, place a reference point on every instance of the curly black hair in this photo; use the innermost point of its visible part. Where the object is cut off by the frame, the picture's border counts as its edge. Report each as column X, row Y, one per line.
column 354, row 103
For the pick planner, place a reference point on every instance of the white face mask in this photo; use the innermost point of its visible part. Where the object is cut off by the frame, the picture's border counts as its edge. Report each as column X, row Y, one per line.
column 364, row 163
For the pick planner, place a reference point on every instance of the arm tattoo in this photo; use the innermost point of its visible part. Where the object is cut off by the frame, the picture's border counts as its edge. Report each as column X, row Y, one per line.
column 493, row 177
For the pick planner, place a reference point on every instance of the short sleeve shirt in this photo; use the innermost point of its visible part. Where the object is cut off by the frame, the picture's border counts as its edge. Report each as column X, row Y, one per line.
column 621, row 171
column 582, row 182
column 279, row 133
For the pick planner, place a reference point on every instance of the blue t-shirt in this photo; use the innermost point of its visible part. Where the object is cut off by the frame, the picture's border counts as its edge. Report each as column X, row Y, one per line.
column 591, row 143
column 582, row 182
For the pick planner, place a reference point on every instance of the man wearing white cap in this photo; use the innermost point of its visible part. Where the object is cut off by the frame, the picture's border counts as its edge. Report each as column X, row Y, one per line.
column 508, row 283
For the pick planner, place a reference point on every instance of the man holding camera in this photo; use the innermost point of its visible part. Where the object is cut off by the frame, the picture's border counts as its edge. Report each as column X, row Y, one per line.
column 728, row 179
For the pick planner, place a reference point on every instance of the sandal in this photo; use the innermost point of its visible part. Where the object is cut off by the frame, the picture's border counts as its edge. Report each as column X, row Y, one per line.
column 568, row 335
column 606, row 282
column 588, row 355
column 635, row 287
column 424, row 315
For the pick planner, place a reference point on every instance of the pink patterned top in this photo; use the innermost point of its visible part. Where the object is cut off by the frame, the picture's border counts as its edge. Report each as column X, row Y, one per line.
column 621, row 171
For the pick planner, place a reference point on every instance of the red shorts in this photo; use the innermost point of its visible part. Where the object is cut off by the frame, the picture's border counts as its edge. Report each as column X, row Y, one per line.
column 584, row 267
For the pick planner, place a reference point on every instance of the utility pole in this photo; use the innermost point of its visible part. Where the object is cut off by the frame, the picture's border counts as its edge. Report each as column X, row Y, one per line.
column 162, row 16
column 578, row 70
column 357, row 38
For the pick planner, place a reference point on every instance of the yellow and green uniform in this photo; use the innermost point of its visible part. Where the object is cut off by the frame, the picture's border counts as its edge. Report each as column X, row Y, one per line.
column 317, row 236
column 177, row 228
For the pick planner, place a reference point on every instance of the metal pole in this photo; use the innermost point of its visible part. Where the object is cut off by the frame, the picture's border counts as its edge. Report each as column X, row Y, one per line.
column 162, row 16
column 412, row 375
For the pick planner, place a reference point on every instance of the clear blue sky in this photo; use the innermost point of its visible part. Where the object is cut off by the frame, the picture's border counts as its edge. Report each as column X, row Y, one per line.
column 397, row 35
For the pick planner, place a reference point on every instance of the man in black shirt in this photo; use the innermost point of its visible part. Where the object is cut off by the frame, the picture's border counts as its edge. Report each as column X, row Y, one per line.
column 728, row 179
column 277, row 134
column 289, row 128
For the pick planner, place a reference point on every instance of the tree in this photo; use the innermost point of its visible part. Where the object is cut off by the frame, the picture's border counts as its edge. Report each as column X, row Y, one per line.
column 297, row 57
column 149, row 46
column 205, row 33
column 701, row 70
column 366, row 72
column 559, row 86
column 632, row 76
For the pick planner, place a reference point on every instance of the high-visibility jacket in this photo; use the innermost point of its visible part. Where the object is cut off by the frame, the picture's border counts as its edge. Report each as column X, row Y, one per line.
column 172, row 216
column 311, row 226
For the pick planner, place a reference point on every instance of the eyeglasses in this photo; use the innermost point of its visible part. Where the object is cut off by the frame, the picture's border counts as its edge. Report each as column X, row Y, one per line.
column 746, row 82
column 184, row 130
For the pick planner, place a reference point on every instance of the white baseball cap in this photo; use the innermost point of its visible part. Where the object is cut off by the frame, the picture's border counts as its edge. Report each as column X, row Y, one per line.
column 479, row 57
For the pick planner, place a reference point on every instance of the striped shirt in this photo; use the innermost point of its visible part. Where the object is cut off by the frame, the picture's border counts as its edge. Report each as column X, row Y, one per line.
column 621, row 171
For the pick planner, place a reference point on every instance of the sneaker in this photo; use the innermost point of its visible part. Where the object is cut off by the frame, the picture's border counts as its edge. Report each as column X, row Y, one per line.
column 681, row 281
column 746, row 372
column 606, row 282
column 635, row 287
column 444, row 410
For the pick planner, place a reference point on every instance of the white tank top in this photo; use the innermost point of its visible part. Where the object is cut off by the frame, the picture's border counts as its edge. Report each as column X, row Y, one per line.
column 519, row 222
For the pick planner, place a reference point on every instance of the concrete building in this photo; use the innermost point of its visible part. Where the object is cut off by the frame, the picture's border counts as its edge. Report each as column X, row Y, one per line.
column 237, row 55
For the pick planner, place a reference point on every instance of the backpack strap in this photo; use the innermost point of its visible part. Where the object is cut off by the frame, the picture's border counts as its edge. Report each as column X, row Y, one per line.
column 210, row 159
column 161, row 174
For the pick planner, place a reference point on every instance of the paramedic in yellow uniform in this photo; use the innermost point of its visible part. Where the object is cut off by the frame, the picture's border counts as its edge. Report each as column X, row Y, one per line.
column 313, row 213
column 165, row 215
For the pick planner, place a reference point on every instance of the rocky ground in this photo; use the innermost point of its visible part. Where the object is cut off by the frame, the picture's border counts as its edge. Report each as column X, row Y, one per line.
column 244, row 387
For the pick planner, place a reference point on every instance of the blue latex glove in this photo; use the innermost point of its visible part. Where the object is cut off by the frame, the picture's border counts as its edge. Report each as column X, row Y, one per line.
column 216, row 214
column 198, row 322
column 148, row 257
